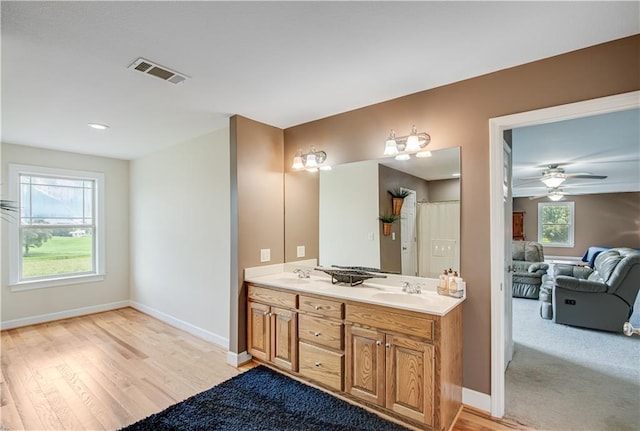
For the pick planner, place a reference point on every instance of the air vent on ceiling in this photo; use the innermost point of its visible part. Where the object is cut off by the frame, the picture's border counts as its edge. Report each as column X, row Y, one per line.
column 154, row 69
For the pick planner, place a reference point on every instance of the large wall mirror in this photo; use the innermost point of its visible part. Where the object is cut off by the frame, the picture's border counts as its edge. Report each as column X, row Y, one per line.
column 426, row 237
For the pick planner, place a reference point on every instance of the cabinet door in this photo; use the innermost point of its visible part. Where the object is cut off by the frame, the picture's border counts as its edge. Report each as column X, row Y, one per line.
column 410, row 378
column 365, row 364
column 284, row 339
column 258, row 331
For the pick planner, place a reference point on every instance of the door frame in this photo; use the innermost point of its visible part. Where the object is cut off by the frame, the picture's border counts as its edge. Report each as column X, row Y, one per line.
column 497, row 126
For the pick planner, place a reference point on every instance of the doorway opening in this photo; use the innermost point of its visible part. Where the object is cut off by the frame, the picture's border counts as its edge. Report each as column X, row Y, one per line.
column 500, row 321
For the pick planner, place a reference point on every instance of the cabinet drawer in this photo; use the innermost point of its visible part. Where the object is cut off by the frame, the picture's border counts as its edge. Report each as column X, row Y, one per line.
column 272, row 297
column 324, row 307
column 321, row 365
column 320, row 331
column 387, row 320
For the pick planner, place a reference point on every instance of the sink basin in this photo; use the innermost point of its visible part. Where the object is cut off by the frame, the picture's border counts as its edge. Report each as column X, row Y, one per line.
column 402, row 298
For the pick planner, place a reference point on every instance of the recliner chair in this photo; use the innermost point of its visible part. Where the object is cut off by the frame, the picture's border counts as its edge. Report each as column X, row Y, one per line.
column 599, row 298
column 528, row 268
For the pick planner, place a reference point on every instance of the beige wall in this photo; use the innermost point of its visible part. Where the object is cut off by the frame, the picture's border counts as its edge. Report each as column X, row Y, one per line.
column 444, row 190
column 458, row 115
column 257, row 209
column 27, row 306
column 608, row 220
column 180, row 235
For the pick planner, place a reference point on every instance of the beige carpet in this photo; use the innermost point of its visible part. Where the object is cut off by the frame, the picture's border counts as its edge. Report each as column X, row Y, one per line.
column 566, row 378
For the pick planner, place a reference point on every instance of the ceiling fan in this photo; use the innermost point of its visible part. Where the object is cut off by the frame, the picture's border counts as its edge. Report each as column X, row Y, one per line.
column 555, row 194
column 553, row 176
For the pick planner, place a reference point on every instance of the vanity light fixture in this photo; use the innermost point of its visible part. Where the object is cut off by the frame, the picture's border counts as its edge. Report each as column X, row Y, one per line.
column 311, row 161
column 403, row 146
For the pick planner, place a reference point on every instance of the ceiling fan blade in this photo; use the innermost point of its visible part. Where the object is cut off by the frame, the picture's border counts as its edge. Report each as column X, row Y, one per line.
column 586, row 175
column 537, row 197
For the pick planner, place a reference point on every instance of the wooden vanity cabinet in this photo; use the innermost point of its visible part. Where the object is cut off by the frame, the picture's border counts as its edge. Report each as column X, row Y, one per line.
column 392, row 371
column 321, row 341
column 272, row 330
column 402, row 363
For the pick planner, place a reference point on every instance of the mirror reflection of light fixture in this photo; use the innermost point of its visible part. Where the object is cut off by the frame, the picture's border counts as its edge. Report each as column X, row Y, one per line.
column 403, row 146
column 311, row 161
column 553, row 179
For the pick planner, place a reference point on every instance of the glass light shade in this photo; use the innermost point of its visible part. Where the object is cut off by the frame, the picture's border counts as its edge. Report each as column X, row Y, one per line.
column 311, row 161
column 390, row 147
column 555, row 196
column 403, row 157
column 312, row 169
column 423, row 154
column 413, row 143
column 297, row 162
column 554, row 180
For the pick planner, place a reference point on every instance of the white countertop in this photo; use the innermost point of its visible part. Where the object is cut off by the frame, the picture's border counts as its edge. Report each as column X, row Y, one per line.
column 386, row 292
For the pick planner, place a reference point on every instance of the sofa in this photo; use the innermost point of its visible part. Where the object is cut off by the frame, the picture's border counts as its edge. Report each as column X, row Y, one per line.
column 527, row 261
column 601, row 297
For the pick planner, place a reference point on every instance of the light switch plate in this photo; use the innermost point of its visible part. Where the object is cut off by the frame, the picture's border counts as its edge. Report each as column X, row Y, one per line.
column 300, row 252
column 265, row 255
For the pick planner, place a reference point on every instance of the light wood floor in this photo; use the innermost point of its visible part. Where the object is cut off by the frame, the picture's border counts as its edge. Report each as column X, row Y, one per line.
column 107, row 370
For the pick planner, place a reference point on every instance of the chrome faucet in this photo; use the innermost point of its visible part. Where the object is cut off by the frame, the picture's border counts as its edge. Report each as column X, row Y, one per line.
column 302, row 273
column 410, row 288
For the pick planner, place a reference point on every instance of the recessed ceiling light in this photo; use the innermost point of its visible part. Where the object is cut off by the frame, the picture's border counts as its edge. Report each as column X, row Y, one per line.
column 98, row 126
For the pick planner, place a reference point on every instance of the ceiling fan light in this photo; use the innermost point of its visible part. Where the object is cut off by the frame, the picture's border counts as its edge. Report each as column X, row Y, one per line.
column 555, row 196
column 553, row 180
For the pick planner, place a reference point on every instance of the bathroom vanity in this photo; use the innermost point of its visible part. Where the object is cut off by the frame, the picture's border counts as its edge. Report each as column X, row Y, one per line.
column 397, row 353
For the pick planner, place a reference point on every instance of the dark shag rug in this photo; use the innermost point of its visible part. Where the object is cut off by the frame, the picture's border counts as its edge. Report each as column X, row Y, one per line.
column 260, row 400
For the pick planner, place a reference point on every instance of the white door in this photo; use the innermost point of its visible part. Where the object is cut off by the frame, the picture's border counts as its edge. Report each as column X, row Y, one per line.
column 408, row 238
column 508, row 235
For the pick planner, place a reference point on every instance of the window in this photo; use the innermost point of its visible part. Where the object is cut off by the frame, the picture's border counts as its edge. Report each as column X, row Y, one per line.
column 58, row 236
column 555, row 224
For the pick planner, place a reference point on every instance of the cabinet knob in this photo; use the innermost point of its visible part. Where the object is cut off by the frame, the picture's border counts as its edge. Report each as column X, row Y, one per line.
column 317, row 364
column 317, row 334
column 387, row 345
column 317, row 307
column 265, row 313
column 378, row 343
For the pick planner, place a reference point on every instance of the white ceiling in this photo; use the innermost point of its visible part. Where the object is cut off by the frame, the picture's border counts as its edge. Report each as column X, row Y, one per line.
column 606, row 144
column 64, row 64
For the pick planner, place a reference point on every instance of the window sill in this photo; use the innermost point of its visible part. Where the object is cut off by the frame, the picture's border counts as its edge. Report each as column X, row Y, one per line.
column 55, row 282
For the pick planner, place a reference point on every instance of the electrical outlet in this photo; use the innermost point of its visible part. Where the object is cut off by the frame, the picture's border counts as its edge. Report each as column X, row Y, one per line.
column 300, row 252
column 265, row 255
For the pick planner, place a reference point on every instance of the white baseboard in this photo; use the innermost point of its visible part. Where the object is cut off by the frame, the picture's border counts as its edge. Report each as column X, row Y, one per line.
column 477, row 400
column 181, row 324
column 43, row 318
column 237, row 359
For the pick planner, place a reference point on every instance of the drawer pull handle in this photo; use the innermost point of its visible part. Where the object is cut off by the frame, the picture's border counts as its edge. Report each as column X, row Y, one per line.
column 317, row 307
column 387, row 345
column 317, row 364
column 317, row 334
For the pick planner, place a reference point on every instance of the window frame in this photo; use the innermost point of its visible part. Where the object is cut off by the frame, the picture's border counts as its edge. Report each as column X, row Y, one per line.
column 571, row 224
column 16, row 282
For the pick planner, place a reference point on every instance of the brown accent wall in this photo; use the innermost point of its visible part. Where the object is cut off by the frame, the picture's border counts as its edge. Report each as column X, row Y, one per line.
column 458, row 115
column 444, row 190
column 257, row 207
column 607, row 220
